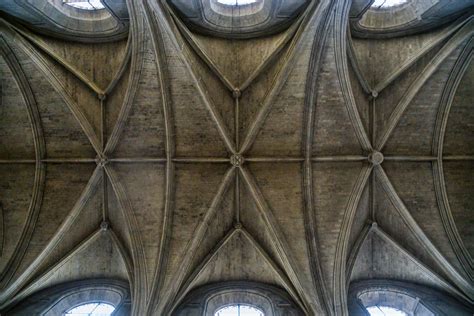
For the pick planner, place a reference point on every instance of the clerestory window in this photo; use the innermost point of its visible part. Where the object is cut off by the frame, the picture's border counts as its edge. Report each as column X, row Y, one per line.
column 236, row 2
column 385, row 311
column 85, row 4
column 91, row 309
column 239, row 310
column 382, row 4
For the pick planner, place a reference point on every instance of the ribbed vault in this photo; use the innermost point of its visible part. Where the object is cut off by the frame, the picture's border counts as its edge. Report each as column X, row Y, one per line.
column 305, row 159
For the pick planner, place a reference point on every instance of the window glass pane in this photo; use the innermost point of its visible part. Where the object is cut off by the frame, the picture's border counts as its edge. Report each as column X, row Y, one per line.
column 385, row 311
column 91, row 309
column 239, row 310
column 236, row 2
column 387, row 3
column 85, row 4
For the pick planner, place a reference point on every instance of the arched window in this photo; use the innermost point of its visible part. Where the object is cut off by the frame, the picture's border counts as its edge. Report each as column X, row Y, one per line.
column 85, row 4
column 236, row 2
column 239, row 310
column 385, row 311
column 91, row 309
column 387, row 3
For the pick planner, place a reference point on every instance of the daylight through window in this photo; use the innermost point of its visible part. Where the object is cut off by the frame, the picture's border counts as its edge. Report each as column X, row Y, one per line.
column 85, row 4
column 91, row 309
column 387, row 3
column 236, row 2
column 239, row 310
column 385, row 311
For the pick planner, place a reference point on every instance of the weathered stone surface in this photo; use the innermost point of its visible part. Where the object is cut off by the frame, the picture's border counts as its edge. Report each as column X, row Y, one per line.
column 328, row 168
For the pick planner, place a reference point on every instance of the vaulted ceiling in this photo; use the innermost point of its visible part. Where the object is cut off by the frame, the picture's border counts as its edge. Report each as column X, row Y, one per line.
column 304, row 158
